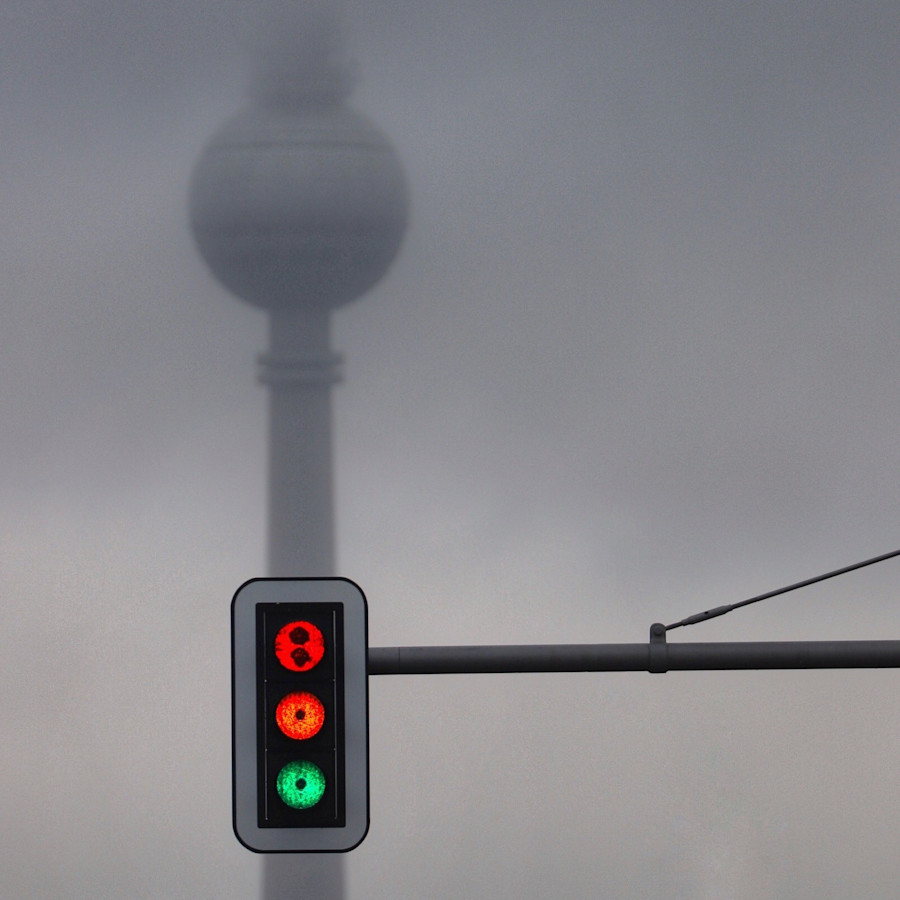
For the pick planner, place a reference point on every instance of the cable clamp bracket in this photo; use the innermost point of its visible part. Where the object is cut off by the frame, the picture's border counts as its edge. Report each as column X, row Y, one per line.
column 658, row 662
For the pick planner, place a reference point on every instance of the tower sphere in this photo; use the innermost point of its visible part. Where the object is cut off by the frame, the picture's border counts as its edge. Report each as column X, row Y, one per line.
column 298, row 203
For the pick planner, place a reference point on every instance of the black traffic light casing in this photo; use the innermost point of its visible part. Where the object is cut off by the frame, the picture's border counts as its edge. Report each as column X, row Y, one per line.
column 300, row 715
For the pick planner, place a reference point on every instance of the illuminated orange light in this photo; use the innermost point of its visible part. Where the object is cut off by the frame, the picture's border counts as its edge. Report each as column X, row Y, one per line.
column 299, row 646
column 300, row 716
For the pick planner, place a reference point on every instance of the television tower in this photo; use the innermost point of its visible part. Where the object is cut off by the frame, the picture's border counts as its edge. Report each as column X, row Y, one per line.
column 298, row 205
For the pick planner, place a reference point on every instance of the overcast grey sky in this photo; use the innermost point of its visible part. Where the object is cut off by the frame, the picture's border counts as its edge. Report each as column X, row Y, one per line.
column 637, row 358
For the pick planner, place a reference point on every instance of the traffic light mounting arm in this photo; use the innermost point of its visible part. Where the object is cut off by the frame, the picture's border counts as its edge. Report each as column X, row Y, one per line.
column 656, row 656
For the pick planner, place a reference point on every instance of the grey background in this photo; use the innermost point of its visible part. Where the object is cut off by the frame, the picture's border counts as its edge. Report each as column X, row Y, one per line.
column 636, row 359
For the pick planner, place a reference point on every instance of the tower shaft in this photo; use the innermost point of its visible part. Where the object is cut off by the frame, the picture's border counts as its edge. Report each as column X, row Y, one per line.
column 299, row 370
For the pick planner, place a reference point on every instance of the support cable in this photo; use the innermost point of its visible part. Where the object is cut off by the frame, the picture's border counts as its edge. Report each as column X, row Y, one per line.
column 721, row 610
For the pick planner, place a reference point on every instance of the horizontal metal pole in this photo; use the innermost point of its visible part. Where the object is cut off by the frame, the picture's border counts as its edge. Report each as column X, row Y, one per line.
column 656, row 656
column 534, row 658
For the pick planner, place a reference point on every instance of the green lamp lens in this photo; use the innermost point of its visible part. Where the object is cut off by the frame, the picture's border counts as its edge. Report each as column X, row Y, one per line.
column 300, row 784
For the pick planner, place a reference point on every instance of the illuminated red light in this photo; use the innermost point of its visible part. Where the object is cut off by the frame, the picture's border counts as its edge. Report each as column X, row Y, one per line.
column 299, row 646
column 300, row 715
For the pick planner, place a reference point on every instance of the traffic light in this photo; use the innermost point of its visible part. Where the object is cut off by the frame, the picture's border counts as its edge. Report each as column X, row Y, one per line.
column 300, row 715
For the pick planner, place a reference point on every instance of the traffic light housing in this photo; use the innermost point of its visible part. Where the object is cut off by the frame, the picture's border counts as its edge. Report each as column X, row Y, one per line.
column 300, row 715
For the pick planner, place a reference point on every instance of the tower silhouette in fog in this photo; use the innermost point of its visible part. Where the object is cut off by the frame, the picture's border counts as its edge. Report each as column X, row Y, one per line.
column 298, row 205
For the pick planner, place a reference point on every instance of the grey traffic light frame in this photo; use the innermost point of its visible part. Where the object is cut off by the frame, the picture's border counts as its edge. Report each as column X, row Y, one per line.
column 245, row 715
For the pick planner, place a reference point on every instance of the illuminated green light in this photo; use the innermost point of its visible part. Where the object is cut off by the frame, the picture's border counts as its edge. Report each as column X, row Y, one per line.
column 300, row 784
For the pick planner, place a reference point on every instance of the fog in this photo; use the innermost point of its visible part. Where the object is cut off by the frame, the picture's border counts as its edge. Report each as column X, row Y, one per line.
column 636, row 358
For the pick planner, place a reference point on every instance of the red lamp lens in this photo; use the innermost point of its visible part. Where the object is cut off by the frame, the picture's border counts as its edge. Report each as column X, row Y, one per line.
column 299, row 646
